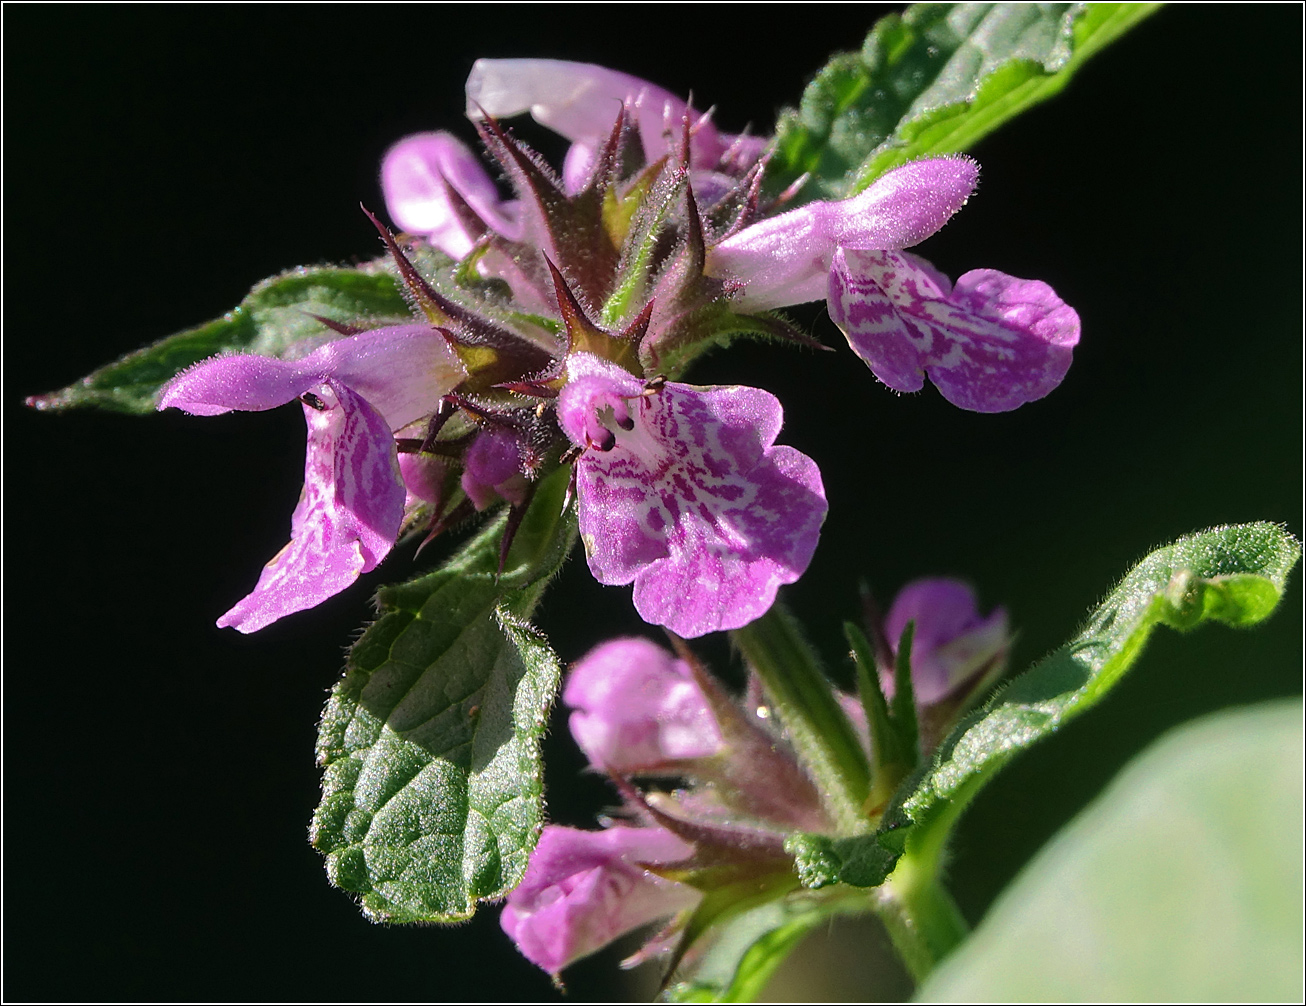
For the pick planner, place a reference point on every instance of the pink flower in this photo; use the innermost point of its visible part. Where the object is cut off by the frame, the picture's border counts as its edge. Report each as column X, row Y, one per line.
column 492, row 469
column 427, row 179
column 580, row 101
column 786, row 259
column 583, row 889
column 681, row 491
column 952, row 644
column 355, row 393
column 638, row 709
column 990, row 344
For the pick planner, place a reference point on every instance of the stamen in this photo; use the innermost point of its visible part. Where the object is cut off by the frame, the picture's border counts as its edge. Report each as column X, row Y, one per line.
column 313, row 402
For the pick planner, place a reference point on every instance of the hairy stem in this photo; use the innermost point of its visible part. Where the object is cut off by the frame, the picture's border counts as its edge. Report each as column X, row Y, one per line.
column 803, row 698
column 922, row 919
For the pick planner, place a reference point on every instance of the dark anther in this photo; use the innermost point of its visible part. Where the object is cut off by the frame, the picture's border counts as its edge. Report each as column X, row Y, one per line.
column 626, row 424
column 313, row 402
column 654, row 384
column 607, row 440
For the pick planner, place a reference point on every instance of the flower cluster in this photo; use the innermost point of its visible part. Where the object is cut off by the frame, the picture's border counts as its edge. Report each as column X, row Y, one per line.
column 638, row 712
column 550, row 328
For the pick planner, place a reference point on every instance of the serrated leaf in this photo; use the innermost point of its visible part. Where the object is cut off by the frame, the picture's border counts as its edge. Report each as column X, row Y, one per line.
column 1233, row 575
column 934, row 81
column 432, row 783
column 1181, row 883
column 275, row 315
column 745, row 952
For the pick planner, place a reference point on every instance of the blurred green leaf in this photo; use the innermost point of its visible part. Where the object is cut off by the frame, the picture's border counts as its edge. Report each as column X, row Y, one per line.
column 744, row 953
column 432, row 784
column 1182, row 882
column 934, row 81
column 276, row 314
column 1233, row 575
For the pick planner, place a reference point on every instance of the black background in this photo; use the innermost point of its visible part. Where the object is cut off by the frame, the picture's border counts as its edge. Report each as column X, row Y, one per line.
column 159, row 772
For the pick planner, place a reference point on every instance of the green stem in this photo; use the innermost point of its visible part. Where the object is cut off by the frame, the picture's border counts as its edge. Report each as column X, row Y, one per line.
column 923, row 921
column 802, row 696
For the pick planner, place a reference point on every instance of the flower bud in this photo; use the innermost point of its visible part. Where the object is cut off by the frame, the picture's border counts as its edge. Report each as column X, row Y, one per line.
column 583, row 889
column 638, row 708
column 953, row 647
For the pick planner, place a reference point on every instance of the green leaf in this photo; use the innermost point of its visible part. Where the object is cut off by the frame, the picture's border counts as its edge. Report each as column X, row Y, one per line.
column 1233, row 575
column 276, row 314
column 934, row 81
column 432, row 782
column 746, row 951
column 821, row 860
column 1181, row 883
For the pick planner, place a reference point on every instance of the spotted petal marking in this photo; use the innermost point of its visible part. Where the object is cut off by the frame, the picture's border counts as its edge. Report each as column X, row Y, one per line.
column 348, row 514
column 990, row 344
column 692, row 503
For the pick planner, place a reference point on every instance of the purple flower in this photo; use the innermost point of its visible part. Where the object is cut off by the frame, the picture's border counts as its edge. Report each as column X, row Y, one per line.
column 638, row 708
column 953, row 646
column 425, row 177
column 786, row 259
column 640, row 711
column 580, row 101
column 681, row 491
column 492, row 469
column 355, row 393
column 990, row 344
column 583, row 889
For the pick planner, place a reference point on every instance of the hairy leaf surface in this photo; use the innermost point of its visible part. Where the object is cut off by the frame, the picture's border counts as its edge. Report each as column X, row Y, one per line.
column 934, row 81
column 430, row 745
column 1233, row 575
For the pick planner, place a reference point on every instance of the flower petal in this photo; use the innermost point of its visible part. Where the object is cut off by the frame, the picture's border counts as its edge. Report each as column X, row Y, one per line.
column 990, row 344
column 581, row 101
column 348, row 514
column 583, row 889
column 688, row 498
column 492, row 469
column 403, row 371
column 637, row 708
column 951, row 642
column 786, row 259
column 416, row 176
